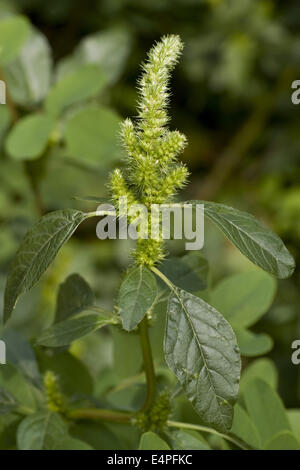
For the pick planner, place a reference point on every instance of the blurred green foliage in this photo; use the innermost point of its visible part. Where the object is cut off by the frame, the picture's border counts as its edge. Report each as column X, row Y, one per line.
column 70, row 69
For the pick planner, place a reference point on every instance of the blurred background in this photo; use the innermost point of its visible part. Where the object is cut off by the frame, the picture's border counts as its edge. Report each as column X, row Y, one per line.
column 231, row 96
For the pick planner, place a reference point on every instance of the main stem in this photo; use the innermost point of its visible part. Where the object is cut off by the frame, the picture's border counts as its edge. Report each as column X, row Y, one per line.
column 148, row 365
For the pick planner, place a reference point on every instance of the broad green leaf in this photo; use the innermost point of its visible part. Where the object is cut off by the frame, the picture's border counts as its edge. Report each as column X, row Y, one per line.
column 96, row 434
column 253, row 344
column 20, row 353
column 108, row 49
column 8, row 427
column 151, row 441
column 188, row 440
column 265, row 409
column 69, row 443
column 262, row 246
column 75, row 87
column 136, row 296
column 127, row 398
column 127, row 358
column 37, row 251
column 67, row 331
column 29, row 137
column 15, row 383
column 263, row 369
column 62, row 362
column 284, row 440
column 128, row 435
column 91, row 136
column 244, row 428
column 7, row 401
column 294, row 419
column 244, row 298
column 14, row 31
column 74, row 296
column 201, row 349
column 42, row 431
column 189, row 272
column 28, row 76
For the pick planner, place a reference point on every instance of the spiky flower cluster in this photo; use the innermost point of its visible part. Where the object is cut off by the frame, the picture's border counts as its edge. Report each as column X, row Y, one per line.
column 152, row 175
column 55, row 399
column 156, row 418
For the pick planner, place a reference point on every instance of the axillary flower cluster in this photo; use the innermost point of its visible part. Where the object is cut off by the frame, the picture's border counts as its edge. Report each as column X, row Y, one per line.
column 151, row 175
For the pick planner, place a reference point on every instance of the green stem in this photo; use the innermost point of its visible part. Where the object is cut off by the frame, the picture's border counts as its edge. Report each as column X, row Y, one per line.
column 34, row 184
column 100, row 415
column 197, row 427
column 163, row 277
column 148, row 365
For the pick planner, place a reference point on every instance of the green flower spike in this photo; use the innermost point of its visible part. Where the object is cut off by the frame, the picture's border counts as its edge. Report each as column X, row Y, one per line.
column 152, row 175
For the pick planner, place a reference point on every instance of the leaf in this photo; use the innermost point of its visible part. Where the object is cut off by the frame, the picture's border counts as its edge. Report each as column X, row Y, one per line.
column 67, row 331
column 187, row 440
column 108, row 49
column 284, row 440
column 42, row 431
column 189, row 272
column 14, row 31
column 127, row 435
column 127, row 360
column 29, row 137
column 75, row 87
column 127, row 398
column 263, row 369
column 96, row 434
column 259, row 244
column 62, row 362
column 151, row 441
column 20, row 353
column 244, row 298
column 36, row 252
column 8, row 427
column 69, row 443
column 136, row 296
column 201, row 349
column 28, row 76
column 74, row 295
column 7, row 402
column 265, row 409
column 244, row 428
column 14, row 383
column 252, row 344
column 294, row 420
column 90, row 136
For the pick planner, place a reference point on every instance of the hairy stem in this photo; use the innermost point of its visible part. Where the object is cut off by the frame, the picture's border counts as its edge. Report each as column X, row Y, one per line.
column 197, row 427
column 148, row 365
